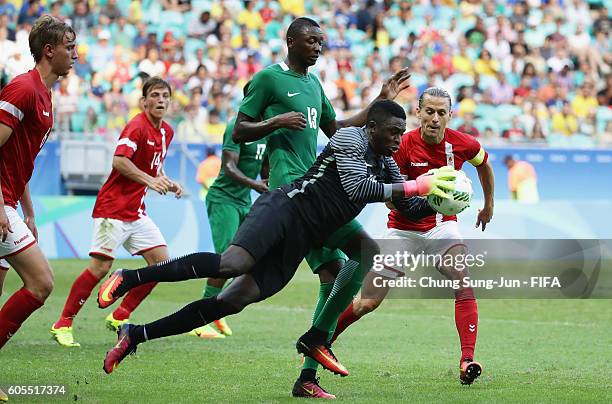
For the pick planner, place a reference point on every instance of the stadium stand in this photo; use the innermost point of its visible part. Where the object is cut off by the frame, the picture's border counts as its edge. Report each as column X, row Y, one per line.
column 545, row 62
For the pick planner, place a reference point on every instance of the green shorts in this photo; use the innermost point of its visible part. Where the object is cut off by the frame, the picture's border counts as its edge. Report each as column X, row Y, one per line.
column 331, row 251
column 224, row 219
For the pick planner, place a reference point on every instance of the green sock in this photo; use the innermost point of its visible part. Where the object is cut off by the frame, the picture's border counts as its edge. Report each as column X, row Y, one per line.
column 210, row 291
column 324, row 291
column 345, row 288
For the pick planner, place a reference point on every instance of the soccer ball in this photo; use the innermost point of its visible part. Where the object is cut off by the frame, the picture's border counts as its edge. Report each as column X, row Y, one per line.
column 459, row 199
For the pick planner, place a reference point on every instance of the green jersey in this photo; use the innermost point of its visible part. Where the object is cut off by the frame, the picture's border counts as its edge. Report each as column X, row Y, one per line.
column 251, row 154
column 276, row 90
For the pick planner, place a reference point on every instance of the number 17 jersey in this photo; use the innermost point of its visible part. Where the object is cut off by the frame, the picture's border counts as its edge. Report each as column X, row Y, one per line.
column 277, row 90
column 120, row 197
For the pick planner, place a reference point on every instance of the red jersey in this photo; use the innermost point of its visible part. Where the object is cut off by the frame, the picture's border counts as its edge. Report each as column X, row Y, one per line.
column 415, row 157
column 121, row 198
column 25, row 106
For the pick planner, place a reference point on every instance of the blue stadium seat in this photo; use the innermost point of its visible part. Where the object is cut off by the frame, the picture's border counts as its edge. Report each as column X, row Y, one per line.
column 486, row 111
column 603, row 116
column 505, row 112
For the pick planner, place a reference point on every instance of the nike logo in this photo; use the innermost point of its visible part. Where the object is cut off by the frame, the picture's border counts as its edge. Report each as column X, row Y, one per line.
column 106, row 292
column 45, row 113
column 81, row 302
column 247, row 143
column 291, row 94
column 369, row 165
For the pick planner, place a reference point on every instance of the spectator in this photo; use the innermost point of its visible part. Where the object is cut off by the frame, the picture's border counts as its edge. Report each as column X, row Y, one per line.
column 101, row 54
column 208, row 171
column 249, row 17
column 468, row 126
column 214, row 128
column 202, row 27
column 30, row 11
column 8, row 8
column 516, row 132
column 152, row 65
column 564, row 122
column 111, row 10
column 82, row 18
column 604, row 96
column 584, row 101
column 522, row 180
column 501, row 91
column 82, row 67
column 191, row 128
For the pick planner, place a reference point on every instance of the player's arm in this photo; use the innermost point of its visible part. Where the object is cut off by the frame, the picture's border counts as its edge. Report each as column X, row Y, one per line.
column 249, row 129
column 414, row 208
column 390, row 89
column 5, row 225
column 230, row 167
column 487, row 182
column 127, row 168
column 258, row 95
column 175, row 188
column 27, row 207
column 265, row 168
column 349, row 152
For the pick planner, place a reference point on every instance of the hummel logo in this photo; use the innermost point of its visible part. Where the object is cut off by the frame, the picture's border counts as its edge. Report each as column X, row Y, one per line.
column 150, row 143
column 309, row 391
column 472, row 327
column 81, row 302
column 45, row 113
column 291, row 94
column 10, row 334
column 413, row 164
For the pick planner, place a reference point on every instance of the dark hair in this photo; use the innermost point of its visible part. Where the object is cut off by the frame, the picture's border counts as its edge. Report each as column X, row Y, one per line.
column 299, row 24
column 384, row 109
column 155, row 82
column 435, row 92
column 245, row 90
column 47, row 30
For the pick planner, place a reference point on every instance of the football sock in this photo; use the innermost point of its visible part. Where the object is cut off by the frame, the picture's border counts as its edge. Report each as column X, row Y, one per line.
column 15, row 311
column 210, row 291
column 347, row 318
column 194, row 315
column 192, row 266
column 345, row 288
column 79, row 292
column 132, row 300
column 310, row 365
column 466, row 320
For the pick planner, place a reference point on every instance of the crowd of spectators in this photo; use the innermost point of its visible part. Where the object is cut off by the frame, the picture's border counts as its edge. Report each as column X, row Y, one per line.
column 535, row 71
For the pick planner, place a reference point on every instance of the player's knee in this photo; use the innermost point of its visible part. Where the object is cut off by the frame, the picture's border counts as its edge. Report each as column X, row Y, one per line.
column 231, row 266
column 42, row 288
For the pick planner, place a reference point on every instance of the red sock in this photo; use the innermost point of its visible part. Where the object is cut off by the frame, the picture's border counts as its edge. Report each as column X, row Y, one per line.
column 132, row 300
column 347, row 318
column 466, row 320
column 15, row 311
column 79, row 292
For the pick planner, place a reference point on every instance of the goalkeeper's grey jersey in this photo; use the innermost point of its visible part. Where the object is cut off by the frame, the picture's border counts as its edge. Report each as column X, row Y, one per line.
column 346, row 176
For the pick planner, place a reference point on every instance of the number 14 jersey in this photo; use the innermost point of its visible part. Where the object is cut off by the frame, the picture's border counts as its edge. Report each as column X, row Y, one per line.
column 120, row 197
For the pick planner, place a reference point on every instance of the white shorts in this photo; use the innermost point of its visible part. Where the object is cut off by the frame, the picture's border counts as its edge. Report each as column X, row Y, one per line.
column 435, row 241
column 137, row 237
column 17, row 241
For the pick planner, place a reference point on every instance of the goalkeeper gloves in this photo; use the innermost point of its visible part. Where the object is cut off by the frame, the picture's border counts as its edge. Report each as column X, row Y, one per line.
column 434, row 182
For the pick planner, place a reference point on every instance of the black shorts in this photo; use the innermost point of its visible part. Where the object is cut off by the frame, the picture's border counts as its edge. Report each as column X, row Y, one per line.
column 274, row 234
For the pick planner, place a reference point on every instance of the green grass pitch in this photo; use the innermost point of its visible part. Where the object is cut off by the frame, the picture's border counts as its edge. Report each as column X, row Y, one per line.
column 532, row 351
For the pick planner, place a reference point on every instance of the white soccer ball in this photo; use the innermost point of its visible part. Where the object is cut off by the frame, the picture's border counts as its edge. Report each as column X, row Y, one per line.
column 459, row 199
